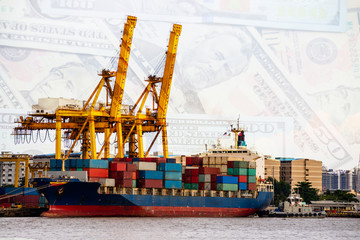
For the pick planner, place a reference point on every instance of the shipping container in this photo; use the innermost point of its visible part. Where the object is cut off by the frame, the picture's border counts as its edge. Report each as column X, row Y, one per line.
column 97, row 172
column 122, row 175
column 204, row 186
column 123, row 183
column 242, row 179
column 204, row 178
column 242, row 186
column 251, row 179
column 130, row 167
column 208, row 170
column 251, row 186
column 117, row 166
column 107, row 182
column 171, row 160
column 227, row 187
column 227, row 179
column 170, row 167
column 150, row 183
column 239, row 171
column 193, row 186
column 95, row 163
column 72, row 163
column 230, row 171
column 147, row 166
column 172, row 184
column 145, row 174
column 251, row 172
column 173, row 176
column 192, row 171
column 241, row 164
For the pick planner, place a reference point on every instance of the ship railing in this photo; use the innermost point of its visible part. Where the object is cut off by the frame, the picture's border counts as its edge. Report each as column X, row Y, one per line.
column 178, row 192
column 265, row 187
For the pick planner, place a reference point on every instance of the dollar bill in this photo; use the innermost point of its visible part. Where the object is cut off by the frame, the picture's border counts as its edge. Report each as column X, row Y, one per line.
column 195, row 133
column 325, row 15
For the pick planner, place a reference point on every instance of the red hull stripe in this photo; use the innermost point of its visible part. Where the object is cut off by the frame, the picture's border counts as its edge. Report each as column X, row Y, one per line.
column 137, row 211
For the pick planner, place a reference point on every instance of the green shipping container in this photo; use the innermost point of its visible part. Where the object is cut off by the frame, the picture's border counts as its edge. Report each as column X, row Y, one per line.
column 79, row 169
column 134, row 183
column 230, row 171
column 241, row 164
column 251, row 172
column 192, row 186
column 227, row 187
column 239, row 171
column 251, row 179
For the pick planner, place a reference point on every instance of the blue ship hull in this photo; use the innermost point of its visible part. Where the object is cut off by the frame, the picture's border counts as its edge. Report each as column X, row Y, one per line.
column 80, row 199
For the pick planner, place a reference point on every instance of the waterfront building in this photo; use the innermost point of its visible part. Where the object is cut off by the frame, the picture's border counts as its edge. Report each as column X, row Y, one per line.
column 272, row 168
column 294, row 170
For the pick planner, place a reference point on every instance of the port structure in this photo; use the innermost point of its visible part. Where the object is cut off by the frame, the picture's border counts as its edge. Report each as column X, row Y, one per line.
column 110, row 118
column 17, row 158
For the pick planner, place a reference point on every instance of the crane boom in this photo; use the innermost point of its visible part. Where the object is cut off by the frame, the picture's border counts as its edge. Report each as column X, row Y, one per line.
column 122, row 67
column 168, row 72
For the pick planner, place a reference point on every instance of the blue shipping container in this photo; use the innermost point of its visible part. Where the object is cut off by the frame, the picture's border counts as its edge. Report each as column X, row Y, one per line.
column 172, row 184
column 170, row 167
column 18, row 191
column 227, row 179
column 173, row 176
column 171, row 160
column 242, row 186
column 95, row 163
column 72, row 163
column 151, row 175
column 53, row 163
column 79, row 163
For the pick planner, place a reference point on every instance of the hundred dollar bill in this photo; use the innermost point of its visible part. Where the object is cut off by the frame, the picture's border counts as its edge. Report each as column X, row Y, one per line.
column 314, row 15
column 248, row 79
column 326, row 67
column 194, row 133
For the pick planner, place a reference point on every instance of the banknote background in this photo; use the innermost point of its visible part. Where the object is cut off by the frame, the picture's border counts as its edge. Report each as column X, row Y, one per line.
column 288, row 69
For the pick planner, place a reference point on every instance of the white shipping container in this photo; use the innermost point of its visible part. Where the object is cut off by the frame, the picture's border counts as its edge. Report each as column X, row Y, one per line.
column 107, row 182
column 212, row 160
column 81, row 175
column 252, row 164
column 149, row 166
column 223, row 168
column 224, row 160
column 207, row 186
column 205, row 160
column 218, row 160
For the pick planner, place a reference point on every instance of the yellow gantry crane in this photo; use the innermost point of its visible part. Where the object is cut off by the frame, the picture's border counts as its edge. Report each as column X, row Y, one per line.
column 108, row 118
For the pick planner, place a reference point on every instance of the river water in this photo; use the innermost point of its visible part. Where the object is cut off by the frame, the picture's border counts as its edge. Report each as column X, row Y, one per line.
column 178, row 228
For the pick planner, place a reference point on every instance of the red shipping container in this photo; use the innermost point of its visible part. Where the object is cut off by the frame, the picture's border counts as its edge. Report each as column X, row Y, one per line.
column 191, row 172
column 122, row 160
column 125, row 175
column 186, row 179
column 214, row 186
column 150, row 183
column 118, row 166
column 134, row 175
column 213, row 178
column 161, row 160
column 209, row 170
column 230, row 164
column 124, row 182
column 252, row 186
column 197, row 161
column 130, row 167
column 243, row 179
column 97, row 172
column 195, row 179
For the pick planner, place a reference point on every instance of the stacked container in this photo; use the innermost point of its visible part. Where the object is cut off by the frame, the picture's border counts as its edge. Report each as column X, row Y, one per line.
column 172, row 175
column 124, row 174
column 191, row 178
column 227, row 183
column 207, row 178
column 252, row 176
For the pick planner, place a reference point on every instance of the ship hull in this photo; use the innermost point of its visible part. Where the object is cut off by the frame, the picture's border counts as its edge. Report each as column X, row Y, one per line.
column 80, row 199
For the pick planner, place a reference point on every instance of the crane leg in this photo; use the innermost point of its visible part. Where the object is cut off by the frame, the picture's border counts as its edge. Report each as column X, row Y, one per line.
column 164, row 142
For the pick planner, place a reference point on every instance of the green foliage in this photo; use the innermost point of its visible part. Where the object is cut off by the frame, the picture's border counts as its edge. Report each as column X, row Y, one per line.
column 307, row 192
column 282, row 190
column 339, row 196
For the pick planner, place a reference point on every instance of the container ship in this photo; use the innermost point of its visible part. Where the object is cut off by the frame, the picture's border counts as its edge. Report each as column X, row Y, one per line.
column 221, row 183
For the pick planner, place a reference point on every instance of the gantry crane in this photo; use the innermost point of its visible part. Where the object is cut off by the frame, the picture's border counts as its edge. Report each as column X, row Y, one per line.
column 107, row 118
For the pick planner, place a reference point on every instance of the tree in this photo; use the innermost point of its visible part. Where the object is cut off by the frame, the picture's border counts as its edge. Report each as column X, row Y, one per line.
column 339, row 195
column 307, row 192
column 282, row 190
